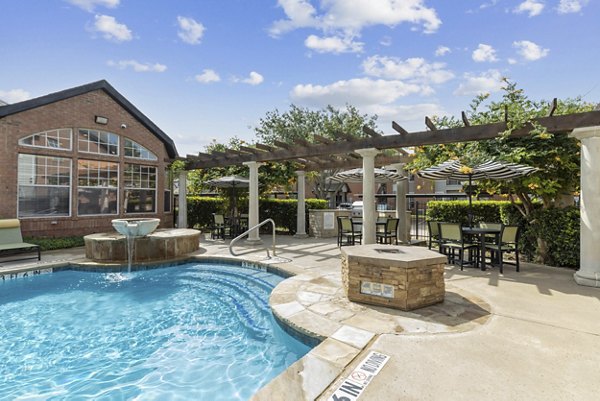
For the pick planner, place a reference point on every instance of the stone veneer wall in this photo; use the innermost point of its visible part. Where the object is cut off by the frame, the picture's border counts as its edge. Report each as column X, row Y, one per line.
column 414, row 286
column 316, row 222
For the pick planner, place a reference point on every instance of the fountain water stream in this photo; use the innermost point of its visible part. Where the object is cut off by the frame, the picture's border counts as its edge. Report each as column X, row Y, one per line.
column 131, row 229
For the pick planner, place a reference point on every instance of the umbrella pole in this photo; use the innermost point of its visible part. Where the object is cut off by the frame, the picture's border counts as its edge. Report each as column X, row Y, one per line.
column 470, row 216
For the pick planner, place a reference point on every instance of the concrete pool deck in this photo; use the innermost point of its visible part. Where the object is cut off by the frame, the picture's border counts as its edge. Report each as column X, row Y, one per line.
column 529, row 335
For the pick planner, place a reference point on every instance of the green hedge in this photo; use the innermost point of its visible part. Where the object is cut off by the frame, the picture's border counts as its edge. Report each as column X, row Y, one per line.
column 559, row 228
column 49, row 244
column 458, row 211
column 282, row 211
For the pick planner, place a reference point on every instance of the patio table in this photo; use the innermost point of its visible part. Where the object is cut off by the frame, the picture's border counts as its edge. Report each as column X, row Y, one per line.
column 481, row 232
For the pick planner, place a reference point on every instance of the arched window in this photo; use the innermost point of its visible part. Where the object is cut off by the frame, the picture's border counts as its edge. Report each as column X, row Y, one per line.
column 52, row 139
column 137, row 151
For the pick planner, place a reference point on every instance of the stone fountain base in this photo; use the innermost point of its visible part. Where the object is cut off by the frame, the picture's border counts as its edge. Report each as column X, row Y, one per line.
column 162, row 244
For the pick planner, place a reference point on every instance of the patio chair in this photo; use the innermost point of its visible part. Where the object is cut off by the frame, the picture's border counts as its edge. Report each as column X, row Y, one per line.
column 11, row 241
column 509, row 242
column 390, row 232
column 434, row 233
column 347, row 234
column 491, row 238
column 452, row 241
column 219, row 228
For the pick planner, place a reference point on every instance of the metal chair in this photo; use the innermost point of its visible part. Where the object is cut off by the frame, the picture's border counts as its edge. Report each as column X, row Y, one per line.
column 434, row 233
column 347, row 235
column 509, row 242
column 219, row 228
column 390, row 232
column 491, row 238
column 452, row 240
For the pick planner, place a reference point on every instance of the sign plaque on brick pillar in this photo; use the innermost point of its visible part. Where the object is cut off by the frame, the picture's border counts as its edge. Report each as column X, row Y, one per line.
column 400, row 277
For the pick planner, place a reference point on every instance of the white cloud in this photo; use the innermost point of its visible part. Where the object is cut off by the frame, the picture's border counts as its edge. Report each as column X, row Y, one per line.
column 137, row 66
column 386, row 41
column 416, row 70
column 532, row 7
column 253, row 79
column 511, row 61
column 14, row 95
column 487, row 82
column 190, row 31
column 571, row 6
column 207, row 76
column 90, row 5
column 351, row 17
column 442, row 51
column 484, row 53
column 530, row 51
column 111, row 29
column 359, row 92
column 333, row 44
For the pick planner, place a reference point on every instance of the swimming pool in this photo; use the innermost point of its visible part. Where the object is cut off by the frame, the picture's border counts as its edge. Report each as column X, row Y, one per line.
column 194, row 331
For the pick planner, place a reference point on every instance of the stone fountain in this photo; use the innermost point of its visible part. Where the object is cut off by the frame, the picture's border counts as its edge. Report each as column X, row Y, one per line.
column 138, row 240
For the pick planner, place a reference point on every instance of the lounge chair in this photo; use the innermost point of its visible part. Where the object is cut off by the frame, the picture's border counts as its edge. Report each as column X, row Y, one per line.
column 11, row 241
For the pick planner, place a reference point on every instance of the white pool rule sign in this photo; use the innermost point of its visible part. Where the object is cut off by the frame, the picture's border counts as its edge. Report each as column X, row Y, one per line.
column 359, row 379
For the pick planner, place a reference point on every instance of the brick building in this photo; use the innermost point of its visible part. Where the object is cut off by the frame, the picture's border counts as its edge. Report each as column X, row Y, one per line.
column 72, row 161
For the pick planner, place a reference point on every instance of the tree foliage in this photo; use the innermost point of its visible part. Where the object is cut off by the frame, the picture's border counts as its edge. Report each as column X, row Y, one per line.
column 302, row 123
column 555, row 155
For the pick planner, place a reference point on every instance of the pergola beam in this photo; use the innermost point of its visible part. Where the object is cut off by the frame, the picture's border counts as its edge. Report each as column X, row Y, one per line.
column 554, row 124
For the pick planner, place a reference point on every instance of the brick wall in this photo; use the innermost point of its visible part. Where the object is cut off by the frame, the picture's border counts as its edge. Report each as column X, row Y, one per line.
column 76, row 112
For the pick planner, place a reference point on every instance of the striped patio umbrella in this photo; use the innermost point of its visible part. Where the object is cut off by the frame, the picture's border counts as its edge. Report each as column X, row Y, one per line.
column 493, row 170
column 356, row 175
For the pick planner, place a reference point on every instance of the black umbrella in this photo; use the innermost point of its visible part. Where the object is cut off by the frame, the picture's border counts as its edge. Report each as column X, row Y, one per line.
column 233, row 182
column 495, row 170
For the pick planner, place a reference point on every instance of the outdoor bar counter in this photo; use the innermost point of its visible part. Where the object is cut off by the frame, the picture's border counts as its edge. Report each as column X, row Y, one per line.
column 401, row 277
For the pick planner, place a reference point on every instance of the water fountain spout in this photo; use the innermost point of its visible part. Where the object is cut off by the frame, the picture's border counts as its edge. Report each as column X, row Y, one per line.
column 131, row 229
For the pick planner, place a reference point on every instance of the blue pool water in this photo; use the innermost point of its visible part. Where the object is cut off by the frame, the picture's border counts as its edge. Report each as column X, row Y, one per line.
column 189, row 332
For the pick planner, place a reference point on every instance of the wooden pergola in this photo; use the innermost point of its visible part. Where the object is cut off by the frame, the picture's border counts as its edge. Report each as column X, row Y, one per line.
column 347, row 151
column 341, row 153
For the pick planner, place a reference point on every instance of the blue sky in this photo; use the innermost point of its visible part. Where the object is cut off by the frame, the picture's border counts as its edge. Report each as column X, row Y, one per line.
column 204, row 70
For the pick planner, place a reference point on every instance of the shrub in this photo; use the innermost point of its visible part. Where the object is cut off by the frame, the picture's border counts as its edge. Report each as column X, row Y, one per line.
column 458, row 211
column 560, row 228
column 200, row 210
column 282, row 211
column 49, row 244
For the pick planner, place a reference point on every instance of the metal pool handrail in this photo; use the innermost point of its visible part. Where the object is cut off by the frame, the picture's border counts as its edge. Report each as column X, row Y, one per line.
column 233, row 241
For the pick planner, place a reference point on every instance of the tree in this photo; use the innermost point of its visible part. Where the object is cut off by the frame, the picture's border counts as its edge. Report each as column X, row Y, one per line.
column 555, row 155
column 302, row 123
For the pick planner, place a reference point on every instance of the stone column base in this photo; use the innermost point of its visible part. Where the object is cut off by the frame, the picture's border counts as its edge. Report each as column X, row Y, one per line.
column 300, row 235
column 253, row 241
column 581, row 279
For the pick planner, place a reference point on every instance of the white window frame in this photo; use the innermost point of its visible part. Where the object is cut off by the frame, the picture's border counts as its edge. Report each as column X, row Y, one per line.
column 133, row 188
column 57, row 131
column 143, row 149
column 116, row 188
column 88, row 151
column 70, row 187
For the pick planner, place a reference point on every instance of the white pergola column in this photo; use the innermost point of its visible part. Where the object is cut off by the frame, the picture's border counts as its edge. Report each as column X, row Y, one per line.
column 401, row 212
column 182, row 200
column 369, row 218
column 589, row 267
column 301, row 214
column 253, row 218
